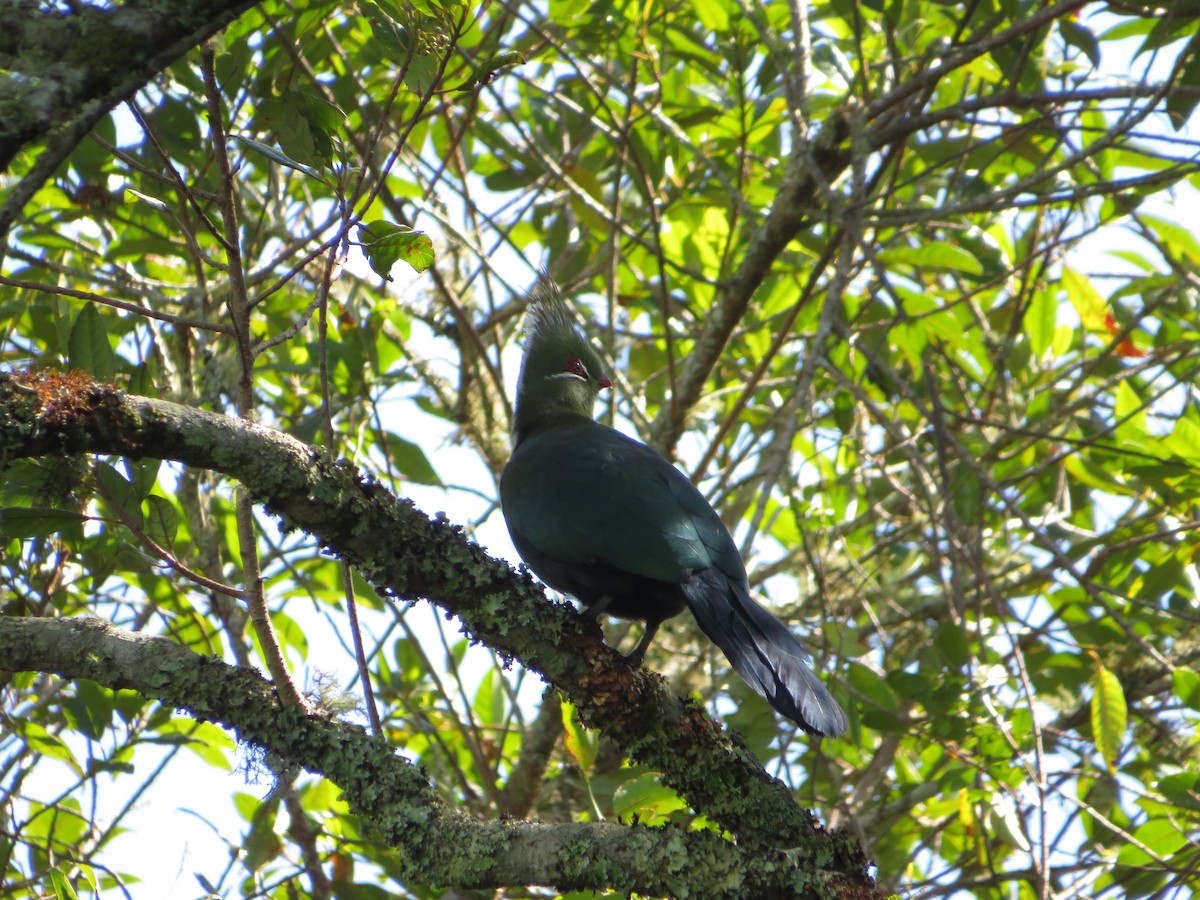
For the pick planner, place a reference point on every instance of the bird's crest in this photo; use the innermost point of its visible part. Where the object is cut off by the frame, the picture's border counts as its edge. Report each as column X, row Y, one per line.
column 548, row 319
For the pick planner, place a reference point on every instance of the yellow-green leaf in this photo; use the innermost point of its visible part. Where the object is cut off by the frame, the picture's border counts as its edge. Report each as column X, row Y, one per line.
column 647, row 798
column 580, row 744
column 934, row 255
column 1108, row 715
column 61, row 885
column 1184, row 441
column 1092, row 308
column 385, row 243
column 1130, row 413
column 1041, row 322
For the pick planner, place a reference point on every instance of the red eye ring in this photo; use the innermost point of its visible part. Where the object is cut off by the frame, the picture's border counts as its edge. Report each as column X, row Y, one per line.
column 575, row 366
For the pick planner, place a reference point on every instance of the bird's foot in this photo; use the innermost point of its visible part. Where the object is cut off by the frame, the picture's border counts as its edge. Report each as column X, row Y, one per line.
column 638, row 656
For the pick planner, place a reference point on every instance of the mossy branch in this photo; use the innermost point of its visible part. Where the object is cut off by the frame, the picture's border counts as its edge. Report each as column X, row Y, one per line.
column 402, row 552
column 439, row 846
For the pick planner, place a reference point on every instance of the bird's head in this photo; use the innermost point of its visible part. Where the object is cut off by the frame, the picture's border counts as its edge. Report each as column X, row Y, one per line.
column 561, row 373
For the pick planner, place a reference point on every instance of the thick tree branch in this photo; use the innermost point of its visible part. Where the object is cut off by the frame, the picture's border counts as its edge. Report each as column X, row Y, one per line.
column 403, row 553
column 58, row 62
column 440, row 846
column 64, row 68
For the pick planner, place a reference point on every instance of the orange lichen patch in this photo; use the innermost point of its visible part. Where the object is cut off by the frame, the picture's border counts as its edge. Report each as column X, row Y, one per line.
column 63, row 396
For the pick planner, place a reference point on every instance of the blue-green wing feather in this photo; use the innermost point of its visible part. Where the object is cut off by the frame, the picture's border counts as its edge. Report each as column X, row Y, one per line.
column 586, row 494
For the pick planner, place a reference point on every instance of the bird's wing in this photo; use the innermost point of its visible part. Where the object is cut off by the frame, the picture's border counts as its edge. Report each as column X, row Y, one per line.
column 583, row 493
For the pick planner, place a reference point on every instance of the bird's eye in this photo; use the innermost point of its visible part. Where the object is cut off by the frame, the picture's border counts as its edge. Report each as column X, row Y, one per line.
column 575, row 367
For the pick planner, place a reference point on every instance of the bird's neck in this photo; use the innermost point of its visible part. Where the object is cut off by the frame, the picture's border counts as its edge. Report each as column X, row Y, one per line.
column 549, row 403
column 531, row 419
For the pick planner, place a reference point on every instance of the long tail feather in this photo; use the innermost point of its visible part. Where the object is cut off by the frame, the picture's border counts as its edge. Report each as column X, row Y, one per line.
column 764, row 652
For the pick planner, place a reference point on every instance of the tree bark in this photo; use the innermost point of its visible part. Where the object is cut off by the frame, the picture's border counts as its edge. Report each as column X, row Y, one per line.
column 403, row 553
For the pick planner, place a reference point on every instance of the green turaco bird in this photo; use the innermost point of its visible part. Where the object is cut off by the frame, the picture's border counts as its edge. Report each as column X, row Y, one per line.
column 603, row 517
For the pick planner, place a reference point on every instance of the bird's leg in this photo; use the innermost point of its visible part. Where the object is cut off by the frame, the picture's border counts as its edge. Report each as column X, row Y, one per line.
column 599, row 606
column 639, row 652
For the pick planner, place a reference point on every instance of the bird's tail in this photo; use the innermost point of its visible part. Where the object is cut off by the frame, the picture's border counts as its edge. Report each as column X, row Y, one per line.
column 764, row 652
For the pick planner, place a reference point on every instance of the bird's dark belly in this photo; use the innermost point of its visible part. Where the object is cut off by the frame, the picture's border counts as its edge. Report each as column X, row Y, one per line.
column 605, row 588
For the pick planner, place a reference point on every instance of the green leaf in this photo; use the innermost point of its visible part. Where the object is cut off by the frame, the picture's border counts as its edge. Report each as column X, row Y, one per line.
column 62, row 885
column 1082, row 38
column 1187, row 687
column 385, row 243
column 934, row 255
column 489, row 70
column 647, row 798
column 392, row 36
column 511, row 178
column 910, row 685
column 1184, row 441
column 89, row 708
column 91, row 160
column 1130, row 413
column 40, row 740
column 1003, row 822
column 162, row 521
column 410, row 460
column 490, row 700
column 290, row 633
column 119, row 494
column 278, row 156
column 1181, row 104
column 951, row 641
column 712, row 15
column 325, row 117
column 304, row 124
column 422, row 73
column 262, row 845
column 208, row 741
column 1182, row 789
column 291, row 129
column 1161, row 835
column 1041, row 321
column 580, row 743
column 410, row 662
column 131, row 195
column 22, row 522
column 88, row 347
column 1108, row 715
column 89, row 875
column 143, row 474
column 1179, row 240
column 966, row 491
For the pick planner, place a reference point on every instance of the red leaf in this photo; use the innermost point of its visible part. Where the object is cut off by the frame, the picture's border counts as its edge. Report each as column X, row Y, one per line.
column 1127, row 348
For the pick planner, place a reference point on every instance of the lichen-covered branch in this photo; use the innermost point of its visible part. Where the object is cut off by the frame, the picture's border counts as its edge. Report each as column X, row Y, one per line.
column 58, row 61
column 62, row 70
column 404, row 553
column 439, row 845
